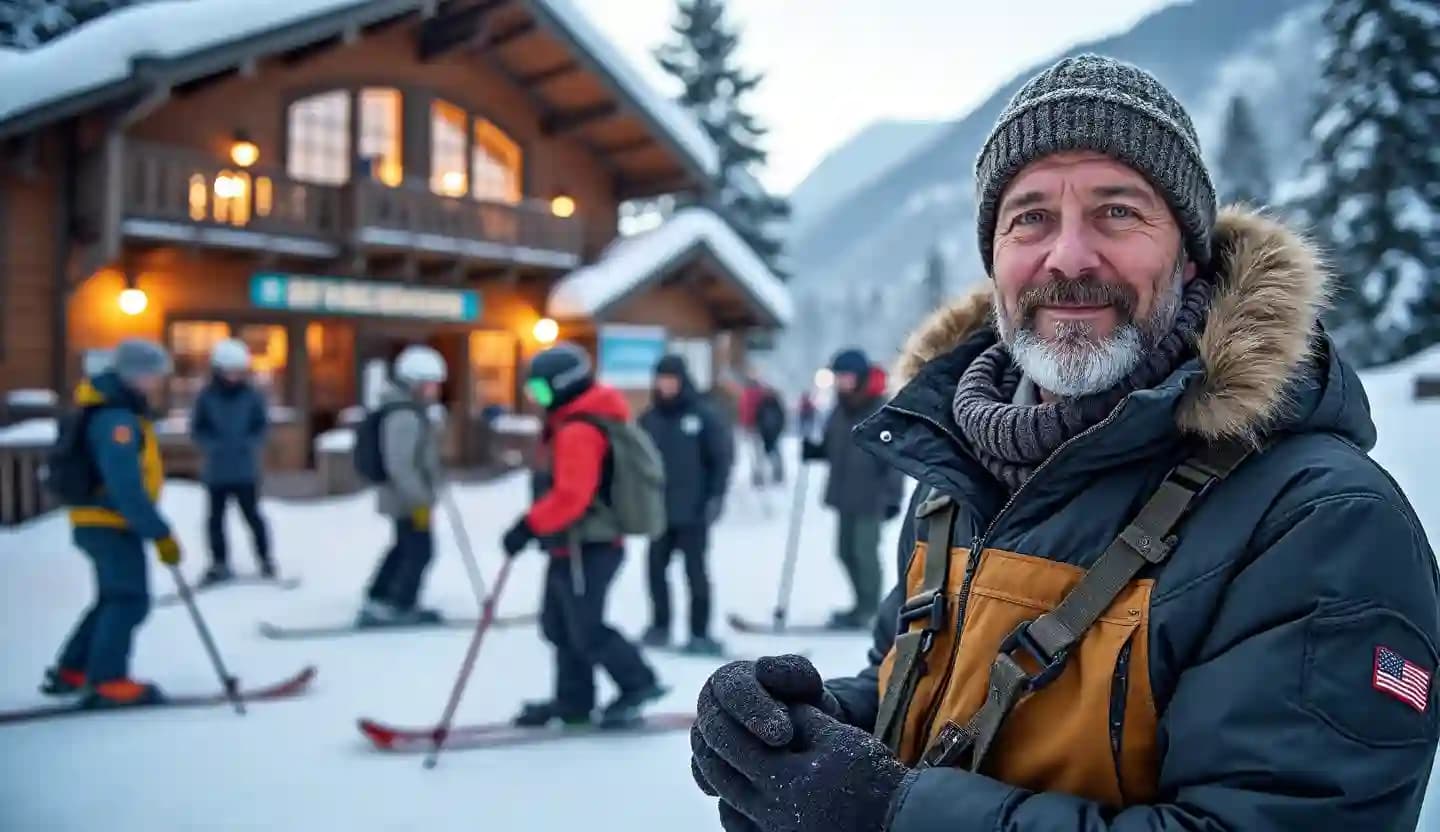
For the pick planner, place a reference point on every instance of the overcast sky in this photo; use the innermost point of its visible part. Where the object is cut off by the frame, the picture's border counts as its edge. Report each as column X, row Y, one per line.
column 834, row 66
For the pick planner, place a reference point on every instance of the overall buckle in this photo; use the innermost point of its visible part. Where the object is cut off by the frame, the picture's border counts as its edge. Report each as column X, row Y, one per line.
column 1050, row 666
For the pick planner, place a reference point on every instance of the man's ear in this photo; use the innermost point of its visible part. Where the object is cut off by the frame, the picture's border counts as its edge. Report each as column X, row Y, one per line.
column 1190, row 270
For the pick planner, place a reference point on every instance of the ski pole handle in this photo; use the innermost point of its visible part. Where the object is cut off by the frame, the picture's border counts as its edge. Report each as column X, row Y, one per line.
column 228, row 683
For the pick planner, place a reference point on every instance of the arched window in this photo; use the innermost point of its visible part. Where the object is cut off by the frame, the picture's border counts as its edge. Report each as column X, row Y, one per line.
column 318, row 138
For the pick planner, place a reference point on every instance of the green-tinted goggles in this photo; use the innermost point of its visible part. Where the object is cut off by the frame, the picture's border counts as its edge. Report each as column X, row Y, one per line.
column 539, row 390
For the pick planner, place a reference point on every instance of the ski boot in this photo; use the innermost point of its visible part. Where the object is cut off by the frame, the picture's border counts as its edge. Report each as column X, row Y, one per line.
column 625, row 711
column 656, row 637
column 846, row 620
column 377, row 614
column 122, row 693
column 420, row 616
column 540, row 714
column 703, row 646
column 62, row 681
column 267, row 568
column 218, row 573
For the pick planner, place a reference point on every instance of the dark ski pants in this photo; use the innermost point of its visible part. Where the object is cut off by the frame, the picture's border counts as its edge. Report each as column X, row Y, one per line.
column 769, row 463
column 100, row 644
column 859, row 551
column 397, row 581
column 693, row 542
column 572, row 618
column 245, row 495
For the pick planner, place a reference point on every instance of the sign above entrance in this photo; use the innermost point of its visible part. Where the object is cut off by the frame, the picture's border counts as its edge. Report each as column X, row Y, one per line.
column 344, row 296
column 628, row 355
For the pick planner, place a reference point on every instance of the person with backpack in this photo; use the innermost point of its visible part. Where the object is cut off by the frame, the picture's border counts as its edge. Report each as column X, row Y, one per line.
column 598, row 478
column 864, row 492
column 106, row 466
column 229, row 423
column 397, row 447
column 695, row 446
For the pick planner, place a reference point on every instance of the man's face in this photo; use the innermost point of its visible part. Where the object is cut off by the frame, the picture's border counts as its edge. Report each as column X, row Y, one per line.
column 846, row 383
column 428, row 391
column 1089, row 270
column 667, row 386
column 148, row 386
column 234, row 376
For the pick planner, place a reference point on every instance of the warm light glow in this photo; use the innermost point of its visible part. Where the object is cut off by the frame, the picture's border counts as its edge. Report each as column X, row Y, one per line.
column 546, row 331
column 562, row 206
column 199, row 197
column 824, row 378
column 389, row 172
column 244, row 153
column 452, row 183
column 228, row 187
column 133, row 301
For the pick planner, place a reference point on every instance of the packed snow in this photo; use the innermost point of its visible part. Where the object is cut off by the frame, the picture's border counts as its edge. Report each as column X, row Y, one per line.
column 302, row 765
column 338, row 440
column 630, row 261
column 29, row 432
column 32, row 398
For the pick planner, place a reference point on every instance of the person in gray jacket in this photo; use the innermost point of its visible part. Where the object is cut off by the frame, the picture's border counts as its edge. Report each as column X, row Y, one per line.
column 410, row 448
column 229, row 424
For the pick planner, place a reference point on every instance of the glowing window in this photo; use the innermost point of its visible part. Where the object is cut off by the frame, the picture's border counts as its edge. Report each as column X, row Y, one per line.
column 380, row 126
column 447, row 149
column 495, row 164
column 318, row 138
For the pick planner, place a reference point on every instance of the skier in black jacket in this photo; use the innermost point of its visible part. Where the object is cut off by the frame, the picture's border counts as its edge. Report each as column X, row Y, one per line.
column 697, row 450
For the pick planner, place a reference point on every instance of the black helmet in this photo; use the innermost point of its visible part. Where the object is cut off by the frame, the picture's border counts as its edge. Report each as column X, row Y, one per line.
column 559, row 374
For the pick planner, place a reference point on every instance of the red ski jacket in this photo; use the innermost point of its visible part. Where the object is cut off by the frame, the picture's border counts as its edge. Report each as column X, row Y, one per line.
column 576, row 456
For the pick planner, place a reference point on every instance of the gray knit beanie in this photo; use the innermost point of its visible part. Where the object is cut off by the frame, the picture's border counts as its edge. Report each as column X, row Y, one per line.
column 1090, row 102
column 135, row 358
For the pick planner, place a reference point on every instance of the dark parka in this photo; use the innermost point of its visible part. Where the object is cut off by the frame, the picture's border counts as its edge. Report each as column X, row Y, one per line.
column 229, row 424
column 859, row 483
column 1264, row 622
column 696, row 448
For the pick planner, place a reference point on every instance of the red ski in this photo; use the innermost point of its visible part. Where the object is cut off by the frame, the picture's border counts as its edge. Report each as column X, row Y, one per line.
column 291, row 687
column 503, row 734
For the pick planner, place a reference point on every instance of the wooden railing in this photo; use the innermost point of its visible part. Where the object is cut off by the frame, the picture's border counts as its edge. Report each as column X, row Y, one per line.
column 179, row 185
column 416, row 211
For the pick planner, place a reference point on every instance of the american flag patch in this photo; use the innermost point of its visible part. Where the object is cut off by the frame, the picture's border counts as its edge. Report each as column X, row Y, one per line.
column 1401, row 678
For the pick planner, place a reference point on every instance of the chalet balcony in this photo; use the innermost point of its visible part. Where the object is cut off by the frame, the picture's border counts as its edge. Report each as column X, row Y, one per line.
column 177, row 194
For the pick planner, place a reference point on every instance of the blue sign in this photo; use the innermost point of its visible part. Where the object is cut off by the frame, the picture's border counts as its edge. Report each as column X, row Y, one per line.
column 628, row 355
column 344, row 296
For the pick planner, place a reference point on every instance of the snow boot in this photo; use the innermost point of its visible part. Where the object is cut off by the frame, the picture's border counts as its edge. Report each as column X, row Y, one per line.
column 62, row 681
column 704, row 646
column 122, row 693
column 267, row 569
column 656, row 637
column 626, row 710
column 218, row 573
column 540, row 714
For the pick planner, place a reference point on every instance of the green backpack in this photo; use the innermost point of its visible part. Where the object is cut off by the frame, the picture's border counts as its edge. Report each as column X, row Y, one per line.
column 636, row 499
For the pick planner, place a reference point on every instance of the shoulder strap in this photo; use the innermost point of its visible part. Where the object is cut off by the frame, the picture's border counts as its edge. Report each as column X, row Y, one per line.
column 1047, row 639
column 929, row 604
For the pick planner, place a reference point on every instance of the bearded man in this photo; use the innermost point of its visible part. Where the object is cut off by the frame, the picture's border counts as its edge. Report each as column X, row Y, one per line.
column 1150, row 579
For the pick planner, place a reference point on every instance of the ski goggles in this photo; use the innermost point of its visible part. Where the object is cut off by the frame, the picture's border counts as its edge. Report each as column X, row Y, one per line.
column 540, row 391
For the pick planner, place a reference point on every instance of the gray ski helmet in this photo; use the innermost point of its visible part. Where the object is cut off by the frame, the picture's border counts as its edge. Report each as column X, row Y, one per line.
column 136, row 358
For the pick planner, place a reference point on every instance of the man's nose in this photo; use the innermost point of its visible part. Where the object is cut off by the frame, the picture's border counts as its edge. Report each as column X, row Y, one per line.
column 1073, row 253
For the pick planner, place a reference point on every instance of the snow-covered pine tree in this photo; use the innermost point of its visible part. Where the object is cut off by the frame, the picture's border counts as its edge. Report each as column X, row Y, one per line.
column 26, row 24
column 1372, row 188
column 701, row 56
column 1242, row 169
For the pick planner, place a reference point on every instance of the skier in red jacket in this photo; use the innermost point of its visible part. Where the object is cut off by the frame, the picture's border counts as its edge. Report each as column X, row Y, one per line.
column 570, row 481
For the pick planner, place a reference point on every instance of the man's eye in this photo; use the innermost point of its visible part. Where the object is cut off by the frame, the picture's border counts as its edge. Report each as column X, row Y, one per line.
column 1119, row 212
column 1030, row 218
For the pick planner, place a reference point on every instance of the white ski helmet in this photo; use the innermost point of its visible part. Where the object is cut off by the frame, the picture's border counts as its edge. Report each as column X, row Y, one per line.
column 230, row 355
column 418, row 364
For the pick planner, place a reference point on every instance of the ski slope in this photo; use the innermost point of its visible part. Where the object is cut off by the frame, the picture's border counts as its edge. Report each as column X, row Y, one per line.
column 301, row 764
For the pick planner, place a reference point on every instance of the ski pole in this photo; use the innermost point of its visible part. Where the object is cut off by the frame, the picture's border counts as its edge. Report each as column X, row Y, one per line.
column 792, row 547
column 487, row 617
column 232, row 691
column 467, row 553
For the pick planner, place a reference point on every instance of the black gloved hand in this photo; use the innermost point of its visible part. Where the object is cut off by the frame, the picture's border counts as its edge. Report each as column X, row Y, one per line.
column 831, row 777
column 517, row 538
column 891, row 512
column 811, row 451
column 713, row 509
column 754, row 695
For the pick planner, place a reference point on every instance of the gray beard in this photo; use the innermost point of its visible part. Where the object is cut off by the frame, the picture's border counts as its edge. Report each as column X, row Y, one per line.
column 1077, row 363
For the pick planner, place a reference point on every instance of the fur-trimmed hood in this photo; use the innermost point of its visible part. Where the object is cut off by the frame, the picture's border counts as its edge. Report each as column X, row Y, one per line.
column 1271, row 289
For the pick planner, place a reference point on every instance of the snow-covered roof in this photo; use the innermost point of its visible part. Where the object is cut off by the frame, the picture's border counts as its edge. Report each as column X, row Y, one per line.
column 30, row 432
column 106, row 51
column 632, row 261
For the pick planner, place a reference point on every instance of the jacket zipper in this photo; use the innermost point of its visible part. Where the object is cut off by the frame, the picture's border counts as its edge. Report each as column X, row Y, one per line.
column 1119, row 689
column 973, row 562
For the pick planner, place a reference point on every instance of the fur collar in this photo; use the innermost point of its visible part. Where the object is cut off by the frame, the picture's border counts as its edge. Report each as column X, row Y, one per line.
column 1271, row 289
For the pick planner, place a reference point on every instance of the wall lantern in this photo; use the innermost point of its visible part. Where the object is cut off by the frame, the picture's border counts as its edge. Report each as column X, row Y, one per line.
column 563, row 205
column 244, row 152
column 824, row 378
column 133, row 301
column 546, row 331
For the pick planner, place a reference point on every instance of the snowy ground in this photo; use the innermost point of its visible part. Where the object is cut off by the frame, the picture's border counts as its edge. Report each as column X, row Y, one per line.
column 301, row 764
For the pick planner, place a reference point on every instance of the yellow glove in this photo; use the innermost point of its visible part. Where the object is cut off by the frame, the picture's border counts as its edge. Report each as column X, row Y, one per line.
column 421, row 518
column 168, row 550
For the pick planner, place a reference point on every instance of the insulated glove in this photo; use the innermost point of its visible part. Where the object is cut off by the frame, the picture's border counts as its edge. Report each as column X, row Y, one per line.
column 517, row 538
column 830, row 777
column 420, row 517
column 167, row 549
column 754, row 695
column 891, row 512
column 713, row 508
column 811, row 451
